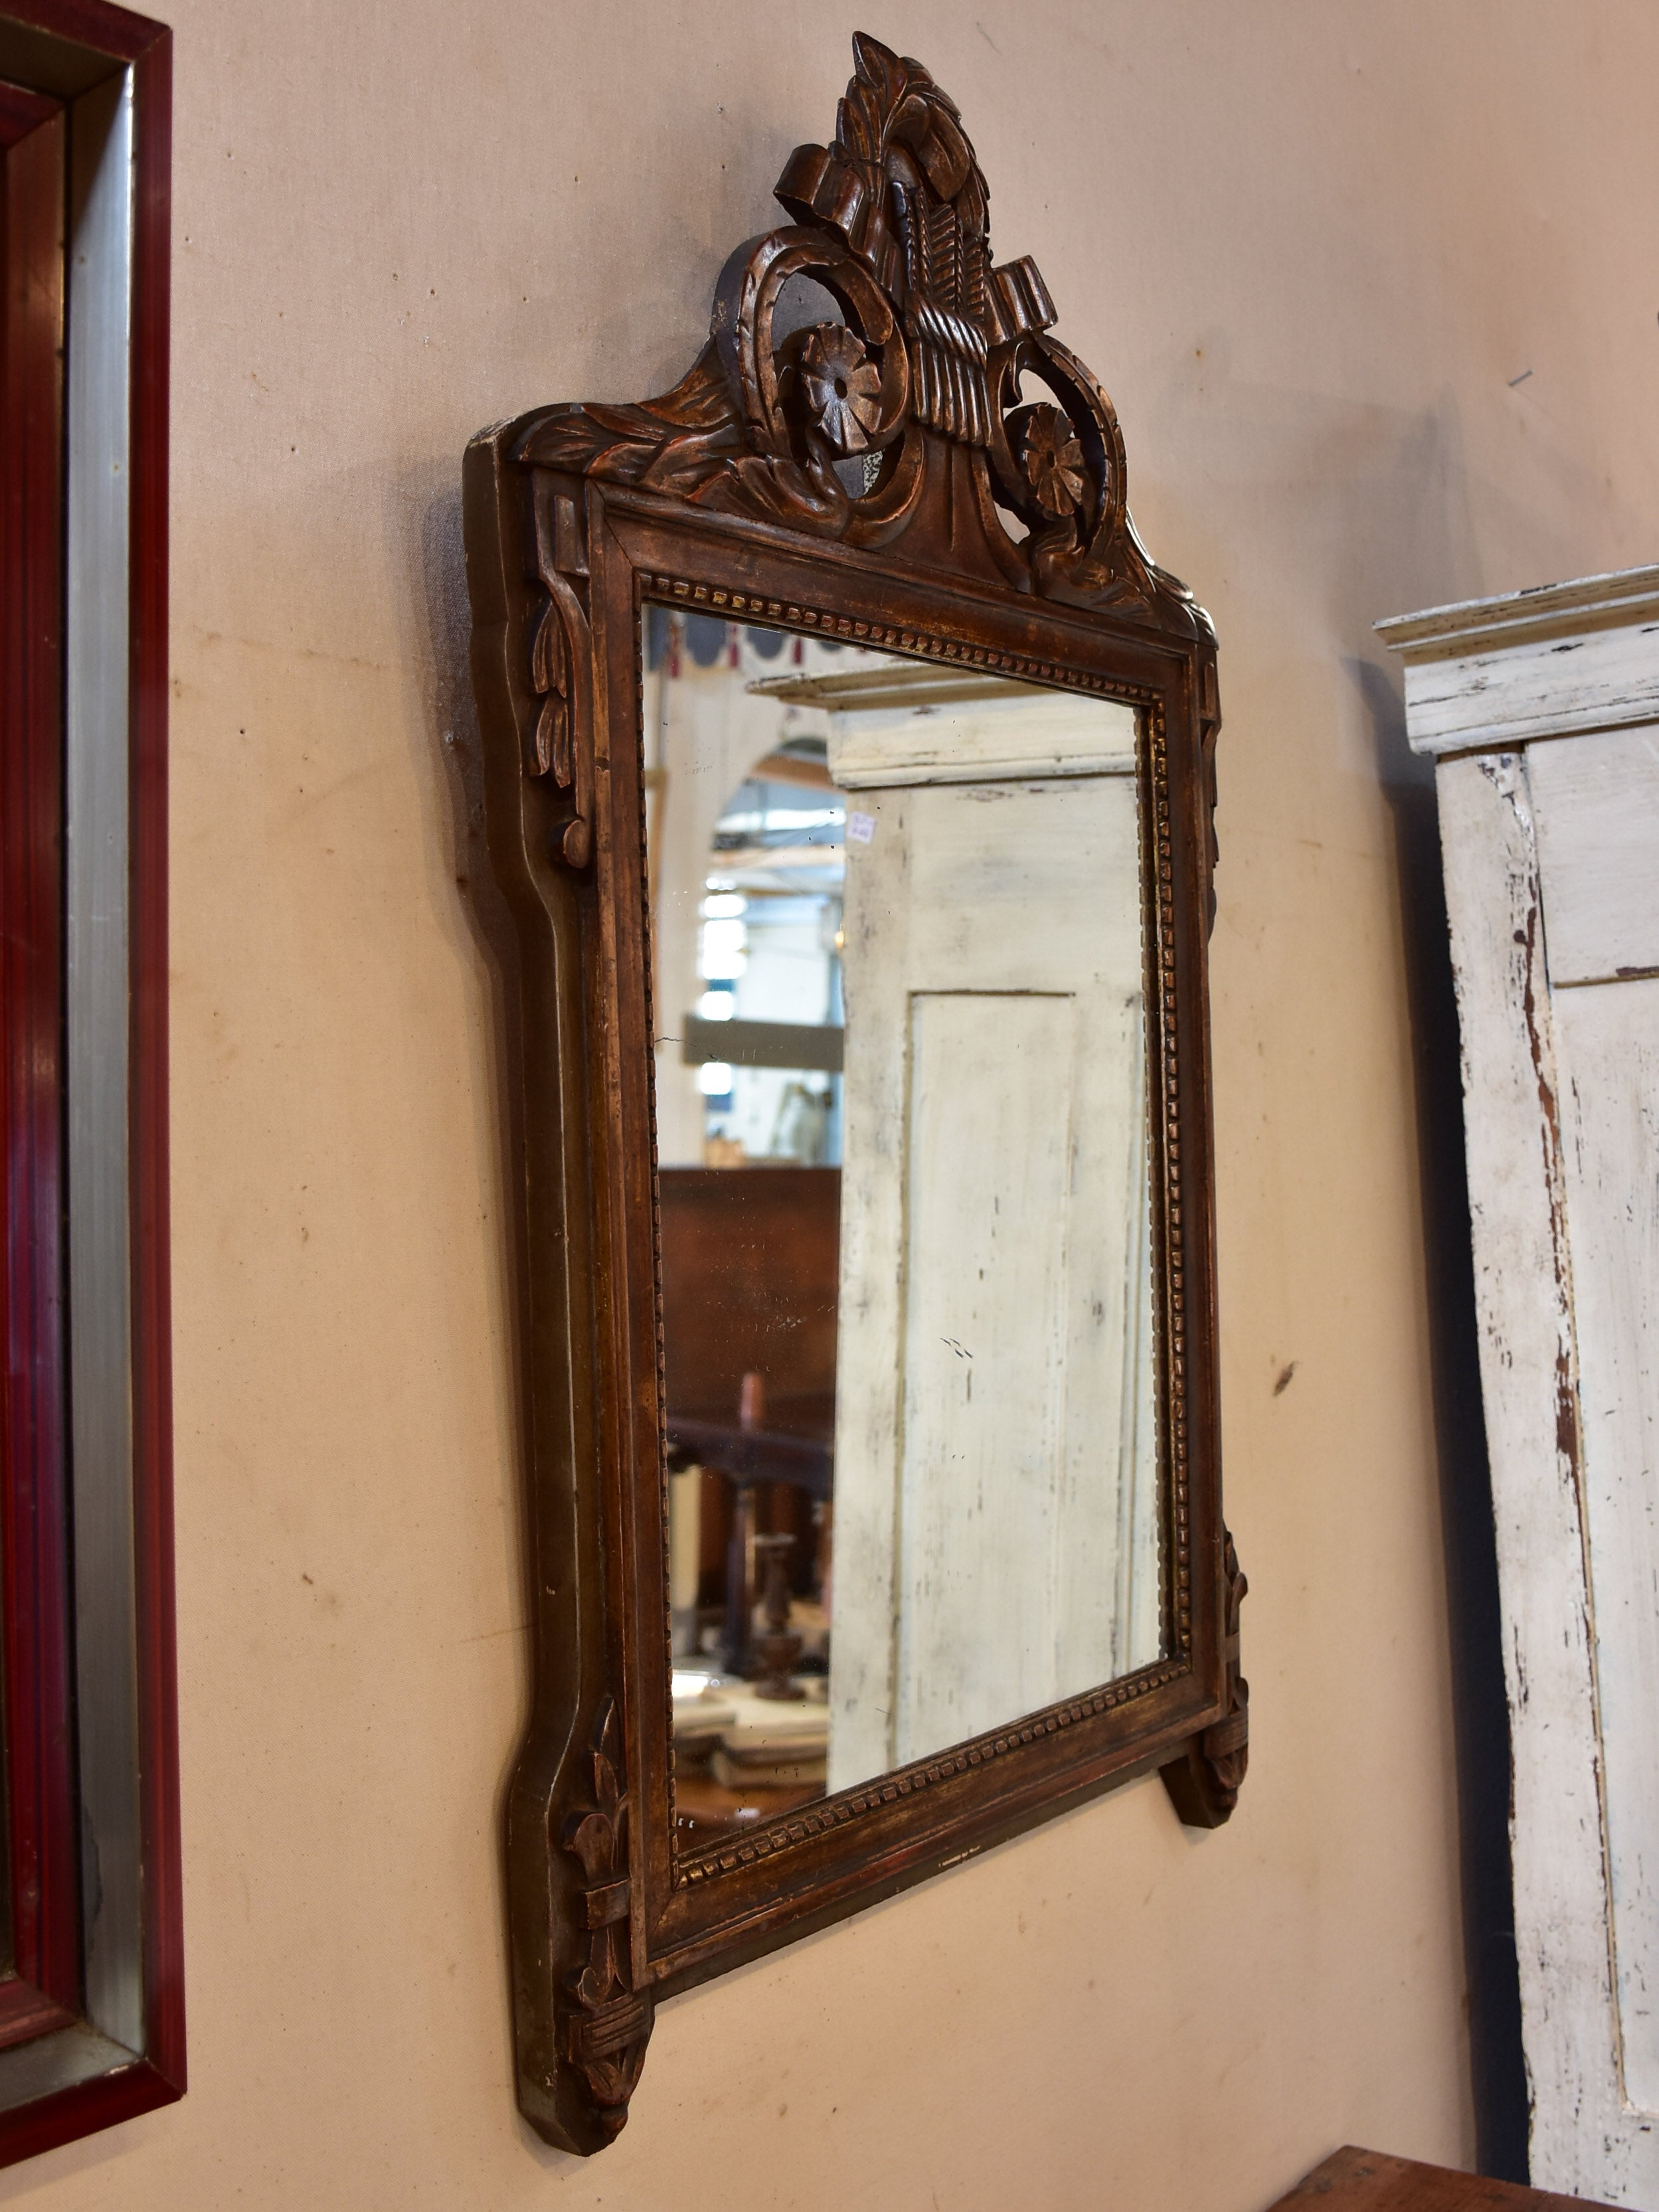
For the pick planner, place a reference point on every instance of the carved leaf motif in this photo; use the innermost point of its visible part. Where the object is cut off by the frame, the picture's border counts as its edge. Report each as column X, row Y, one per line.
column 606, row 1795
column 592, row 1841
column 778, row 491
column 549, row 671
column 880, row 83
column 548, row 661
column 702, row 400
column 562, row 742
column 592, row 1985
column 672, row 443
column 718, row 440
column 607, row 2034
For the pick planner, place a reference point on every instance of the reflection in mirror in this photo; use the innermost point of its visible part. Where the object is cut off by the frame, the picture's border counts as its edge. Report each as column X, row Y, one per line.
column 902, row 1128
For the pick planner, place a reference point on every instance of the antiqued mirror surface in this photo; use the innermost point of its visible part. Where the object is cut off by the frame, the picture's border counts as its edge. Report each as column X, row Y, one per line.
column 897, row 983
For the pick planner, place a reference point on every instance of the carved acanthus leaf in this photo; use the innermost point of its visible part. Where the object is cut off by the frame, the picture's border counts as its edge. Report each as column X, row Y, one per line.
column 673, row 443
column 561, row 742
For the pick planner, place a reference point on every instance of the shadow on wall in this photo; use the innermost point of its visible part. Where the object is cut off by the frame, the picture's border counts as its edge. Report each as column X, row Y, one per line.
column 1373, row 505
column 1417, row 547
column 1381, row 499
column 427, row 547
column 1480, row 1714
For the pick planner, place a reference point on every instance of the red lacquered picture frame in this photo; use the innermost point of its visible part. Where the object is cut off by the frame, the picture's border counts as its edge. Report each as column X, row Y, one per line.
column 91, row 1955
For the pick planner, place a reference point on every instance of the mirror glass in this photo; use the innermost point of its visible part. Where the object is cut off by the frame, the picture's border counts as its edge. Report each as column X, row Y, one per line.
column 902, row 1123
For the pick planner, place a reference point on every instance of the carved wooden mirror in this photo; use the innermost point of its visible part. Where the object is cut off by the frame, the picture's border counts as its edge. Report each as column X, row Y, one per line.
column 849, row 785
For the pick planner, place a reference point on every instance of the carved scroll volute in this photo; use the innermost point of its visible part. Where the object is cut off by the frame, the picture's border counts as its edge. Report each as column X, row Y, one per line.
column 561, row 742
column 1204, row 1782
column 901, row 186
column 921, row 383
column 1059, row 466
column 872, row 361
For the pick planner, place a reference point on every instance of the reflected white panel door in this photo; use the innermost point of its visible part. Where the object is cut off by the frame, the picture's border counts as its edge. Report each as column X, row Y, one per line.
column 1551, row 844
column 995, row 1543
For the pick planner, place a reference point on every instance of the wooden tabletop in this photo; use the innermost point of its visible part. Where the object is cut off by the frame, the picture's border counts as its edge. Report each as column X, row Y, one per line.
column 1370, row 2181
column 778, row 1453
column 707, row 1809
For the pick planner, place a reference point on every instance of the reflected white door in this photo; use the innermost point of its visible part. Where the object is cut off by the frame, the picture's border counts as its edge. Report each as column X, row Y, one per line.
column 996, row 1538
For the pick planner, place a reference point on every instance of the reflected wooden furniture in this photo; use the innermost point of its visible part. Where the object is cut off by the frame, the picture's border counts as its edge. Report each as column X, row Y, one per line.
column 705, row 1807
column 751, row 1257
column 750, row 1261
column 1369, row 2181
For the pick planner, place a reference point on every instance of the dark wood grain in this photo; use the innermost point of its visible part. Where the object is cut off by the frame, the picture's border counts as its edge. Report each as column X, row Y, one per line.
column 1370, row 2181
column 992, row 531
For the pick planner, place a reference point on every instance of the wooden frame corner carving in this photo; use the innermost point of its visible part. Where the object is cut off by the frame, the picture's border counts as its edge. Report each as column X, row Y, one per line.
column 608, row 2023
column 1204, row 1783
column 880, row 479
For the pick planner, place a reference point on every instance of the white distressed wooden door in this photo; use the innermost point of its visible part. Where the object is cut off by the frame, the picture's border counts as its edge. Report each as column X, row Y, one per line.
column 1544, row 711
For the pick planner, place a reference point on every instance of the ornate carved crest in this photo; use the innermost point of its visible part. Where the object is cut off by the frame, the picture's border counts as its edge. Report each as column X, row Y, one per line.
column 905, row 418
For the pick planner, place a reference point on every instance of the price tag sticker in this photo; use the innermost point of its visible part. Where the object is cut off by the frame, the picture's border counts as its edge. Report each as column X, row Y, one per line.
column 861, row 829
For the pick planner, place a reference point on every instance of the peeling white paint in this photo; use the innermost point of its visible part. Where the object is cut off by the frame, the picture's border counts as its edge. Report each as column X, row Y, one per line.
column 1551, row 846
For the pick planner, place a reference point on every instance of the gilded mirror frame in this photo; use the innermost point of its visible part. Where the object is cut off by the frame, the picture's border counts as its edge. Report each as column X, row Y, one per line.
column 730, row 496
